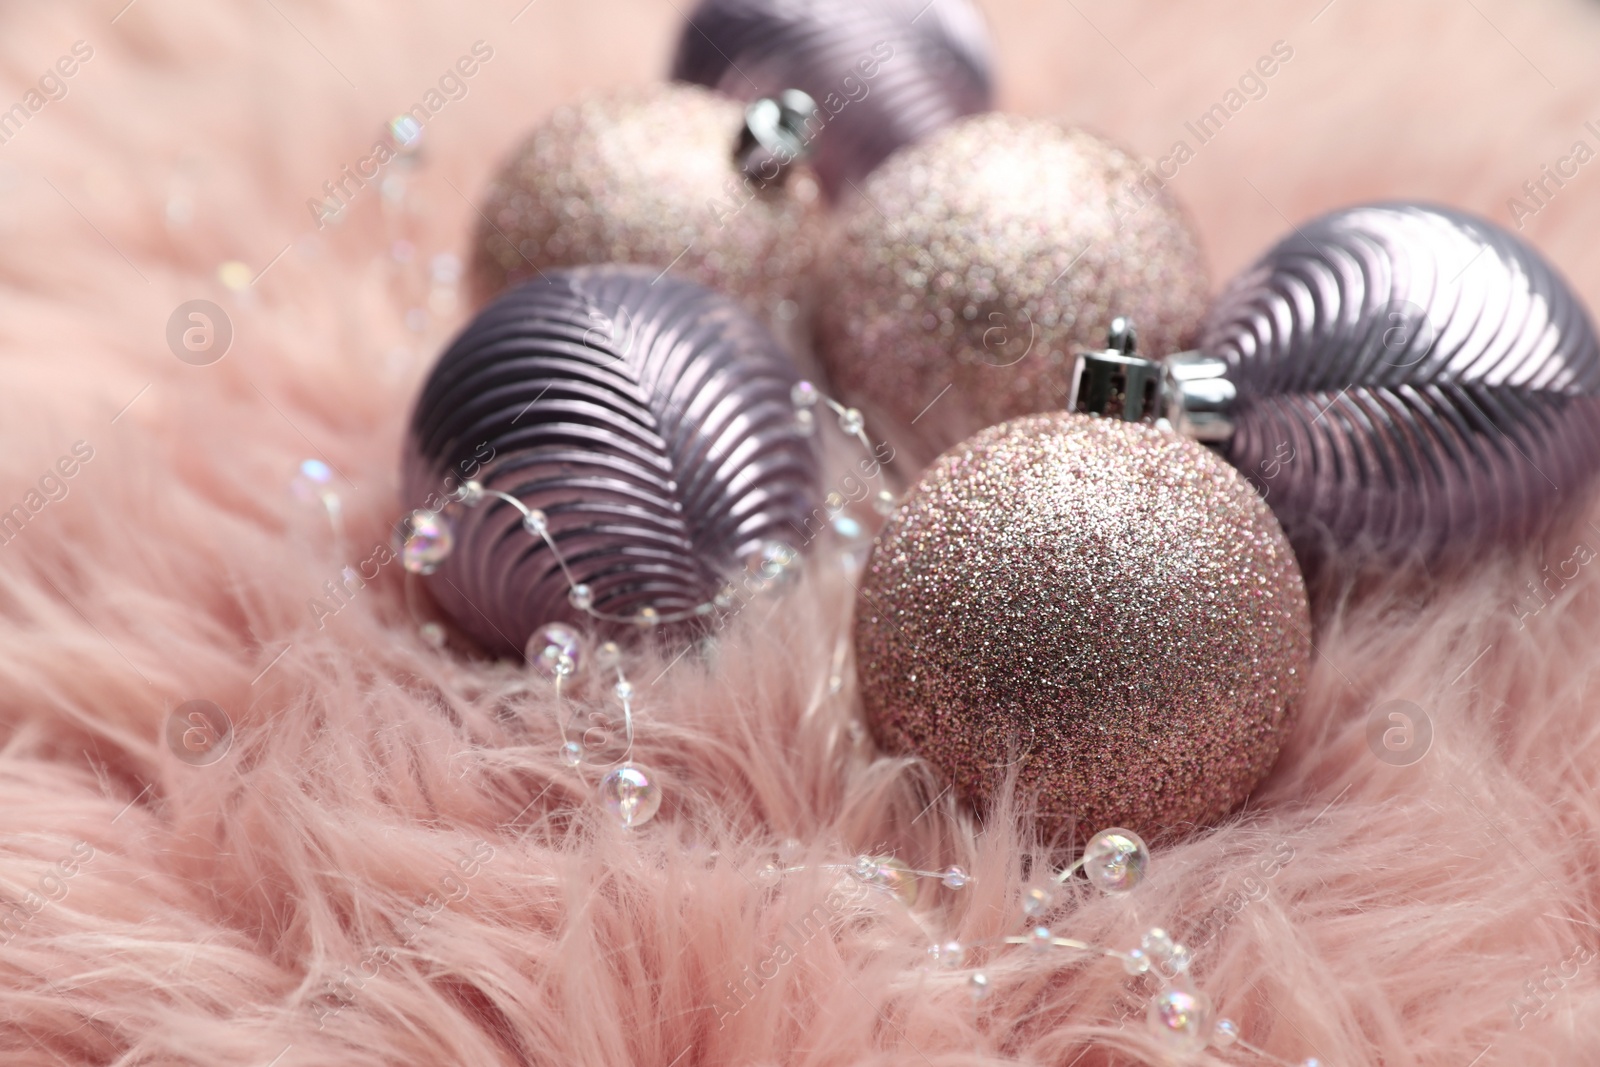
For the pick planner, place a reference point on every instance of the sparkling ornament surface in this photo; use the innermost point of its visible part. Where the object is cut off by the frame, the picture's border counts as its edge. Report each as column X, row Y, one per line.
column 1106, row 606
column 979, row 262
column 661, row 456
column 647, row 176
column 884, row 73
column 630, row 795
column 1412, row 380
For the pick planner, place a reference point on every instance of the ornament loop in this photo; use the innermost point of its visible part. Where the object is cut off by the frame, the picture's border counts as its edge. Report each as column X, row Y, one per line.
column 1116, row 381
column 775, row 136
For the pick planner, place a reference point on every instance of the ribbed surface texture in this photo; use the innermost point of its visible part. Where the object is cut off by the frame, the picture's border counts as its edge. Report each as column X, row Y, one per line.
column 1413, row 380
column 649, row 419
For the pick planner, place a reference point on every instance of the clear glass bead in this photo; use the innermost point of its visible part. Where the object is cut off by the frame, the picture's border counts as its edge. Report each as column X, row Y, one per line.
column 848, row 529
column 311, row 482
column 432, row 634
column 1135, row 961
column 554, row 649
column 608, row 655
column 470, row 493
column 581, row 597
column 426, row 542
column 1036, row 900
column 771, row 559
column 536, row 522
column 1157, row 944
column 630, row 795
column 1178, row 959
column 1040, row 938
column 647, row 618
column 1225, row 1033
column 571, row 753
column 883, row 502
column 952, row 955
column 624, row 690
column 769, row 875
column 890, row 875
column 805, row 422
column 1180, row 1019
column 804, row 395
column 955, row 878
column 1115, row 860
column 851, row 421
column 978, row 986
column 406, row 131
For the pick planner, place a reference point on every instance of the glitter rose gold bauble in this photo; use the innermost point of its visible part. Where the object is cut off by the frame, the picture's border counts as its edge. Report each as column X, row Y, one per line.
column 1106, row 609
column 648, row 176
column 976, row 264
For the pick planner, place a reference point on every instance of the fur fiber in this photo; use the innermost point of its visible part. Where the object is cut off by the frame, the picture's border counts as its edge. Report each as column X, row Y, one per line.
column 391, row 868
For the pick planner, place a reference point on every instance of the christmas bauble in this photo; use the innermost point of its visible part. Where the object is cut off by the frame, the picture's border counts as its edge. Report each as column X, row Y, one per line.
column 602, row 447
column 883, row 73
column 1105, row 609
column 1411, row 381
column 654, row 177
column 980, row 260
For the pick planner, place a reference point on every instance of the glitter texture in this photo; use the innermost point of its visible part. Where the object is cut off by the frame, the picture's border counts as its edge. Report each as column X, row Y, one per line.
column 1104, row 607
column 986, row 257
column 647, row 176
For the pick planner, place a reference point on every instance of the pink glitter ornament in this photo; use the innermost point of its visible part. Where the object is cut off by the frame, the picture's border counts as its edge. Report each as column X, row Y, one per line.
column 1106, row 609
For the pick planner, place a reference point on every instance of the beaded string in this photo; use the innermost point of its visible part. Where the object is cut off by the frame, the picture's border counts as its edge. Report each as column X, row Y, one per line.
column 426, row 539
column 1178, row 1014
column 1115, row 861
column 627, row 790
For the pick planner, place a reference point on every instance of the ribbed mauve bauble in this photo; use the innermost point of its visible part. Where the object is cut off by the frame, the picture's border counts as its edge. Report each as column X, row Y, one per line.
column 648, row 420
column 980, row 261
column 1413, row 382
column 883, row 73
column 648, row 176
column 1106, row 609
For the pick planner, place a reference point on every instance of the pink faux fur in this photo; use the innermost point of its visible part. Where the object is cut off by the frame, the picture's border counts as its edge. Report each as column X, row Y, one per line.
column 391, row 867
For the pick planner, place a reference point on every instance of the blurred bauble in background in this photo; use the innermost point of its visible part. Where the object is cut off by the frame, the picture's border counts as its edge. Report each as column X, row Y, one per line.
column 976, row 264
column 1105, row 609
column 644, row 423
column 1412, row 382
column 652, row 176
column 883, row 73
